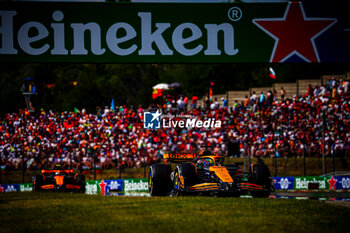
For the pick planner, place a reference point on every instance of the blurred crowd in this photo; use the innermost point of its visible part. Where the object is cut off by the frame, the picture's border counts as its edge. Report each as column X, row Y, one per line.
column 259, row 126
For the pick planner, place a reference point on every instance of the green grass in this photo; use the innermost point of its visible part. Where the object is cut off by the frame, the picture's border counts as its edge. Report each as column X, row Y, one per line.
column 65, row 212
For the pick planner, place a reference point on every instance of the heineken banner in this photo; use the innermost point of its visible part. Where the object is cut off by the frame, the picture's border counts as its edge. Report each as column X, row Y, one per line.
column 169, row 33
column 302, row 182
column 324, row 182
column 136, row 187
column 92, row 187
column 28, row 187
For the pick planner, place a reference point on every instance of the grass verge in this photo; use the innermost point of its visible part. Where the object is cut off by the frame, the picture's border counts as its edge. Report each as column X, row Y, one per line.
column 66, row 212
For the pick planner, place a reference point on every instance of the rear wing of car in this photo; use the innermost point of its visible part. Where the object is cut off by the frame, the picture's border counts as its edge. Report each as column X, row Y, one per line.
column 179, row 157
column 54, row 171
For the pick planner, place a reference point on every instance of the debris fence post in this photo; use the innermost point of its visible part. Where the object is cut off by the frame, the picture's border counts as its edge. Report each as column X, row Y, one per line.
column 23, row 168
column 245, row 157
column 323, row 142
column 144, row 165
column 120, row 166
column 304, row 163
column 94, row 156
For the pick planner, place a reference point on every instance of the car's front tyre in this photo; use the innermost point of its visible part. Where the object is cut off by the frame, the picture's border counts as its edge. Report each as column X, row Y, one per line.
column 159, row 182
column 260, row 175
column 38, row 181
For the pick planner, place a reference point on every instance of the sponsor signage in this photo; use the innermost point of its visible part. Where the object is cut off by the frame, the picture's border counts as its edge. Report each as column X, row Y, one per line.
column 342, row 182
column 4, row 188
column 28, row 187
column 301, row 182
column 325, row 182
column 92, row 187
column 104, row 187
column 169, row 33
column 284, row 183
column 139, row 187
column 138, row 194
column 113, row 187
column 339, row 182
column 136, row 185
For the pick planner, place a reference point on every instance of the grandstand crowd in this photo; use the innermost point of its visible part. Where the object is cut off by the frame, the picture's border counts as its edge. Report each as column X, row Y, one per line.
column 262, row 125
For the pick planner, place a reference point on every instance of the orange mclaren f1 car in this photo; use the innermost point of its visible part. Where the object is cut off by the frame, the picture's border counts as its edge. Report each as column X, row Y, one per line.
column 206, row 174
column 59, row 180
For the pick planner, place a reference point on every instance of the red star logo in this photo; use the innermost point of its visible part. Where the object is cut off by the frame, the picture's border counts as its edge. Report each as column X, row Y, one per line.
column 332, row 182
column 295, row 33
column 1, row 189
column 103, row 187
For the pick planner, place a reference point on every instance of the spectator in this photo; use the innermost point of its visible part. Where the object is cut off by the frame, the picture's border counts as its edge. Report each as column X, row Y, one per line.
column 310, row 90
column 269, row 98
column 224, row 102
column 194, row 102
column 262, row 100
column 246, row 101
column 253, row 98
column 118, row 139
column 283, row 93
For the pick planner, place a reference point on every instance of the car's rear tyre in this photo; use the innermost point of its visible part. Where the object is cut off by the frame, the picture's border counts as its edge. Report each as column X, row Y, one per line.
column 38, row 181
column 159, row 182
column 81, row 183
column 261, row 176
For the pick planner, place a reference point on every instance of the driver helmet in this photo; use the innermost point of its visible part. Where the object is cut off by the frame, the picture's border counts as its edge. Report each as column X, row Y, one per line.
column 208, row 162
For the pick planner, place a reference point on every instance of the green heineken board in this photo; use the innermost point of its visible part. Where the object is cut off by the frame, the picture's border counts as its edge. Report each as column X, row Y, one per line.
column 172, row 33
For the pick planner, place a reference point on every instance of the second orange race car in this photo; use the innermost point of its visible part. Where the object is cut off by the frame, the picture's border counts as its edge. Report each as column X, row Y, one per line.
column 59, row 180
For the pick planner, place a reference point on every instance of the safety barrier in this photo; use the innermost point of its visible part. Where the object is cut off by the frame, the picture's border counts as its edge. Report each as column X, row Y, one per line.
column 125, row 187
column 139, row 187
column 312, row 183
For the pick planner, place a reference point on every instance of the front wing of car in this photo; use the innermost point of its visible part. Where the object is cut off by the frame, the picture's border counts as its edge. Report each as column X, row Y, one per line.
column 223, row 187
column 63, row 187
